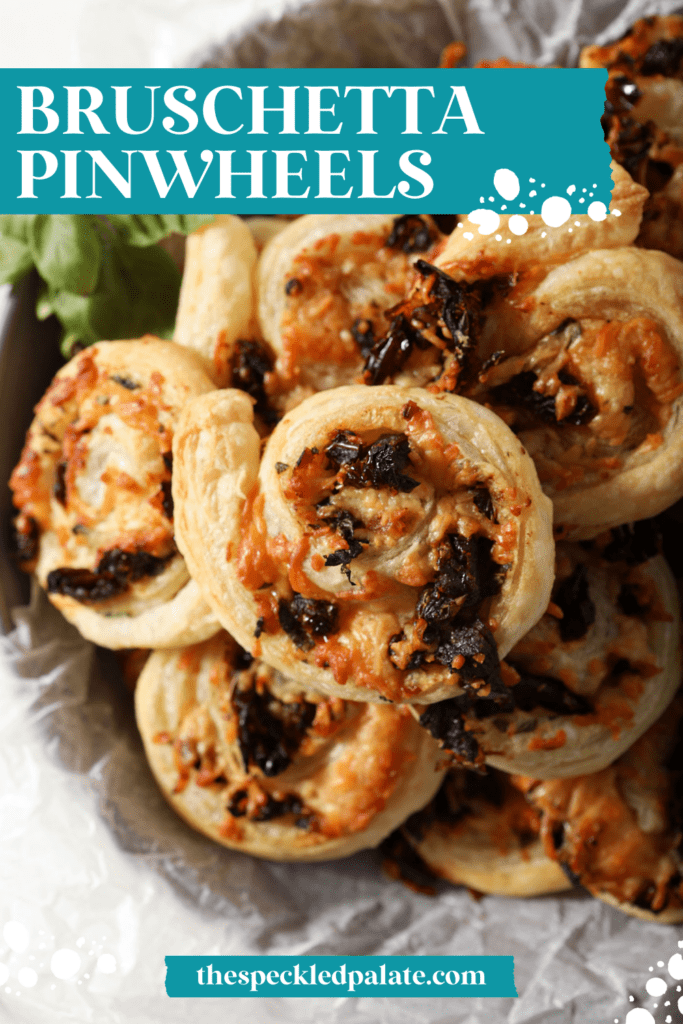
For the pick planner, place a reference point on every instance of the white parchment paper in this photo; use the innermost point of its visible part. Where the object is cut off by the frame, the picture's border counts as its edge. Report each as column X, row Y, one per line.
column 98, row 878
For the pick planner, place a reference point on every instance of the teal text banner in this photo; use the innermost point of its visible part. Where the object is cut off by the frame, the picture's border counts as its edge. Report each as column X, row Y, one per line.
column 335, row 976
column 301, row 141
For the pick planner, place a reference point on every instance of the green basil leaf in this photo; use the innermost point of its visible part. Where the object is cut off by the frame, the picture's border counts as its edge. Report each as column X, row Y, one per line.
column 15, row 259
column 67, row 251
column 16, row 226
column 146, row 229
column 137, row 294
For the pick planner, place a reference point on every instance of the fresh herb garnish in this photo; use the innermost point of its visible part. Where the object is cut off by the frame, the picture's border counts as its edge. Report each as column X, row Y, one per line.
column 102, row 277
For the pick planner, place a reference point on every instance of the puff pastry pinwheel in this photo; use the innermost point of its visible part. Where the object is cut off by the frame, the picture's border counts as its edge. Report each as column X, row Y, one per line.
column 643, row 120
column 93, row 490
column 216, row 308
column 584, row 365
column 618, row 832
column 479, row 831
column 264, row 766
column 386, row 543
column 591, row 676
column 324, row 284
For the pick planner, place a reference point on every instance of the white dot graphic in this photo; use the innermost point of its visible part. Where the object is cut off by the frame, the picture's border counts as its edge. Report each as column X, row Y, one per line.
column 27, row 977
column 468, row 235
column 488, row 221
column 518, row 225
column 532, row 193
column 597, row 211
column 555, row 211
column 639, row 1016
column 571, row 190
column 16, row 936
column 675, row 966
column 65, row 963
column 506, row 183
column 655, row 986
column 4, row 973
column 106, row 963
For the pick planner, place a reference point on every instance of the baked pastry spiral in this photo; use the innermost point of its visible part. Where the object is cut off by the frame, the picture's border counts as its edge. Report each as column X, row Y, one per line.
column 590, row 677
column 262, row 765
column 593, row 386
column 324, row 284
column 387, row 542
column 216, row 307
column 643, row 120
column 479, row 831
column 93, row 490
column 618, row 832
column 585, row 367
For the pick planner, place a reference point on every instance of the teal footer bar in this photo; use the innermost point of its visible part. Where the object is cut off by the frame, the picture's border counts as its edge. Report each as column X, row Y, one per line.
column 335, row 976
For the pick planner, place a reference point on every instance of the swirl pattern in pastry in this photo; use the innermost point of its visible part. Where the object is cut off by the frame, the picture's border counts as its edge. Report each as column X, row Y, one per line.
column 262, row 765
column 618, row 831
column 586, row 369
column 324, row 284
column 590, row 677
column 479, row 831
column 387, row 542
column 93, row 490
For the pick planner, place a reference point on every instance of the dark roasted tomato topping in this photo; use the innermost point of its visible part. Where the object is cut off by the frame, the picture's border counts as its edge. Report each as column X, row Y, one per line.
column 377, row 465
column 663, row 58
column 250, row 364
column 545, row 692
column 633, row 543
column 519, row 391
column 270, row 731
column 24, row 542
column 571, row 595
column 112, row 577
column 445, row 722
column 410, row 234
column 59, row 486
column 438, row 305
column 305, row 620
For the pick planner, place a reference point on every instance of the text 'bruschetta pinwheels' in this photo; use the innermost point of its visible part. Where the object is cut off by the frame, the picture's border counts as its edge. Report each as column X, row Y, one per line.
column 388, row 545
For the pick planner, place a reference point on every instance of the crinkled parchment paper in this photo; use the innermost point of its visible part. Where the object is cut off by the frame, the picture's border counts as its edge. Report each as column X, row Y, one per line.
column 98, row 878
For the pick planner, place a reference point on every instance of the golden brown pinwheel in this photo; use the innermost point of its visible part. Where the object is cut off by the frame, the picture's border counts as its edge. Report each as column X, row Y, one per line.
column 590, row 677
column 643, row 120
column 265, row 766
column 618, row 831
column 93, row 490
column 583, row 362
column 216, row 308
column 324, row 284
column 479, row 831
column 387, row 545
